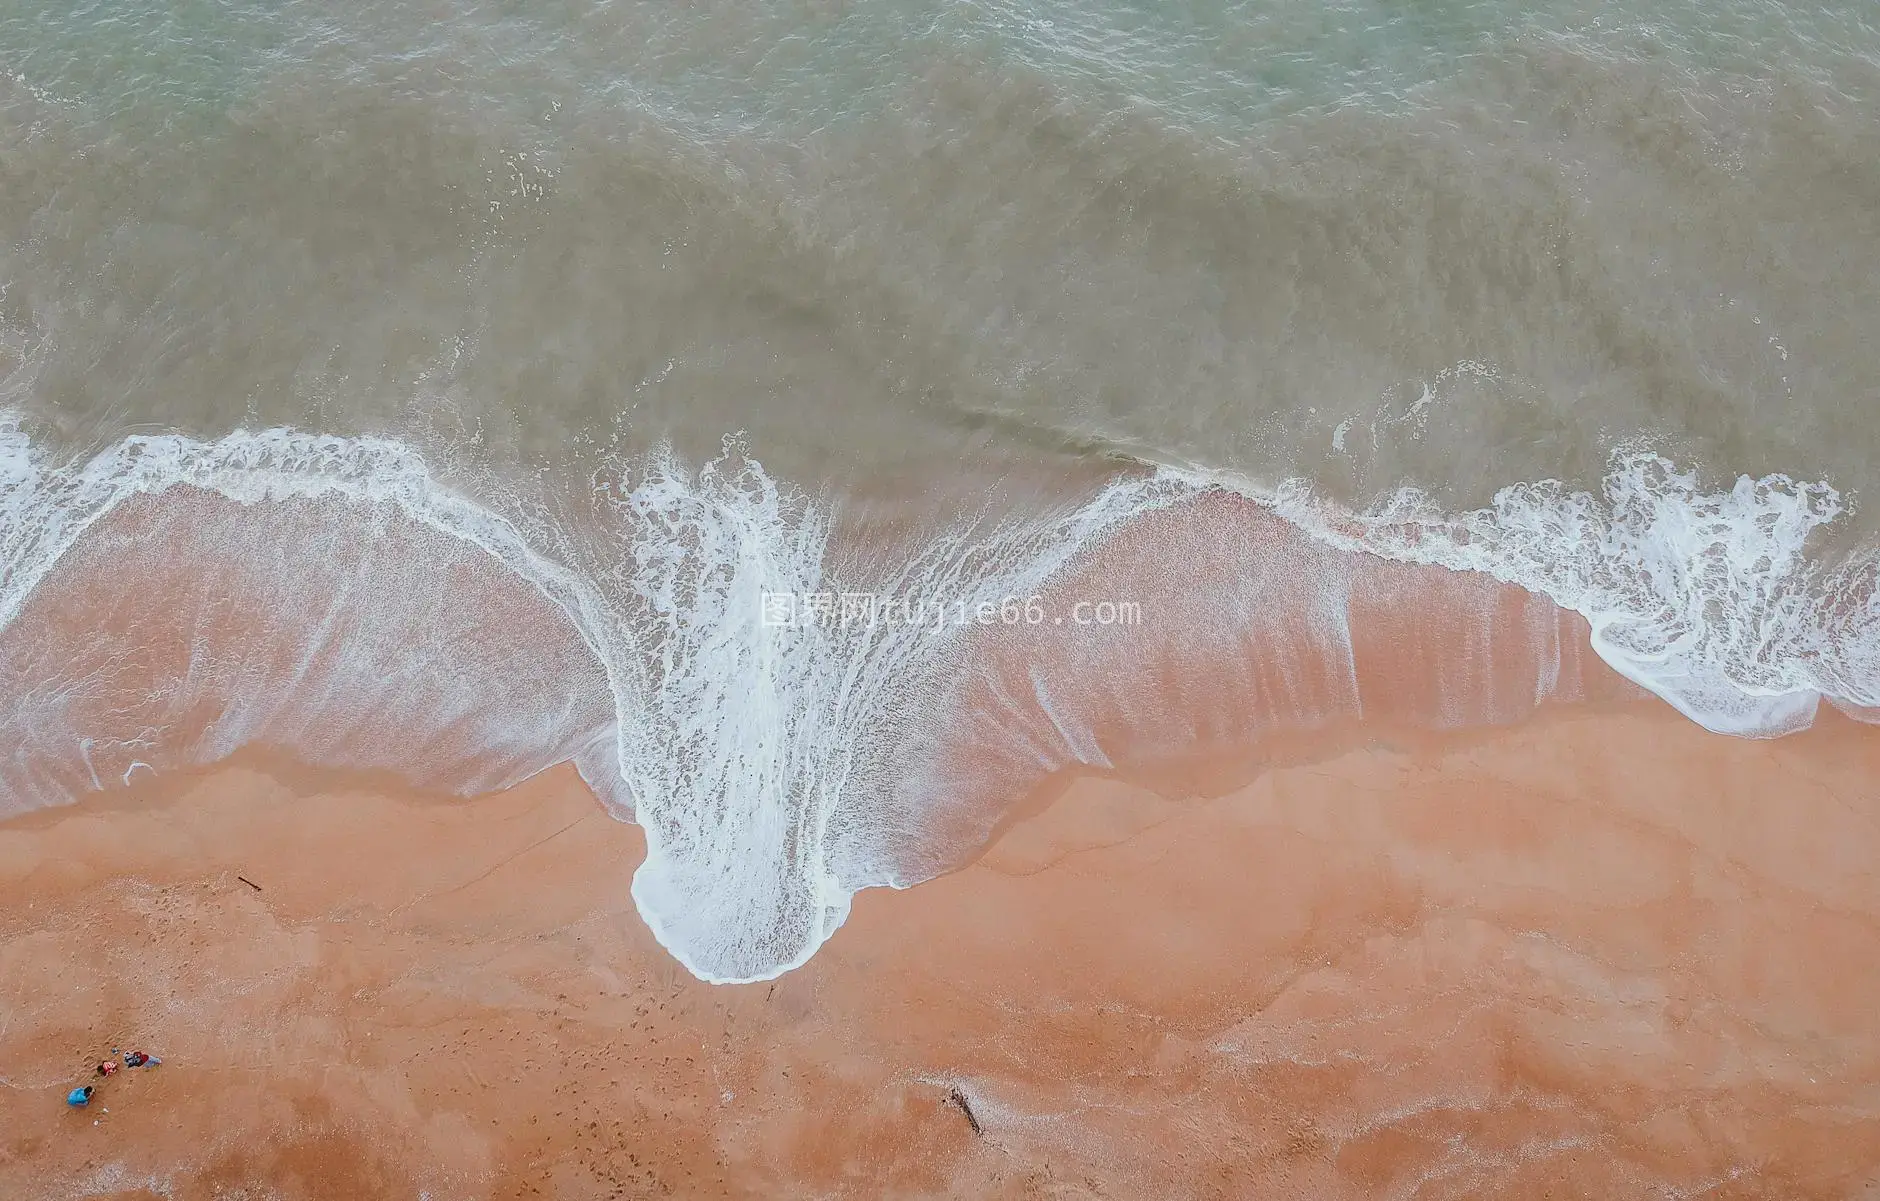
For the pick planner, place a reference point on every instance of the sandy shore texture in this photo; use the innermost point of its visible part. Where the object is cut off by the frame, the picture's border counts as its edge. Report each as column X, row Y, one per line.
column 1599, row 954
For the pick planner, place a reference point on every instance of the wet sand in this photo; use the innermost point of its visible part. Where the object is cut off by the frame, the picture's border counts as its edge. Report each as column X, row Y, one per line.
column 1598, row 954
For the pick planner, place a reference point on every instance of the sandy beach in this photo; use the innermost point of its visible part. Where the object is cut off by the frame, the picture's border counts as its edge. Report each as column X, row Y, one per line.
column 1599, row 954
column 1214, row 599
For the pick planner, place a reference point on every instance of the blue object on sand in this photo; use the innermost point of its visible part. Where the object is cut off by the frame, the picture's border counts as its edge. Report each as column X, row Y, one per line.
column 78, row 1096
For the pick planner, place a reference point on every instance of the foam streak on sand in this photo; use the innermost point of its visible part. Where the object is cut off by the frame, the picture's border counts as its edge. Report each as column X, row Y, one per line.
column 777, row 771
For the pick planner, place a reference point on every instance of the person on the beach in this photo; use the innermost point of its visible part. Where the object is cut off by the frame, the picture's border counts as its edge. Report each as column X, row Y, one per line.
column 137, row 1059
column 79, row 1096
column 107, row 1067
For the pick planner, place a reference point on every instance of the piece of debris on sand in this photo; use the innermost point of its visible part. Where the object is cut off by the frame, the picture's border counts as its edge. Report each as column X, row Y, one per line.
column 957, row 1097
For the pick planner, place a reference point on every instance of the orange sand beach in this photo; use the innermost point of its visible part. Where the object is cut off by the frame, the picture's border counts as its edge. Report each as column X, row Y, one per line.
column 1598, row 954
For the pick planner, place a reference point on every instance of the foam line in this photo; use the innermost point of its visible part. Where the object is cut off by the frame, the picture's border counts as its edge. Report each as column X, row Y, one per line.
column 762, row 762
column 1708, row 600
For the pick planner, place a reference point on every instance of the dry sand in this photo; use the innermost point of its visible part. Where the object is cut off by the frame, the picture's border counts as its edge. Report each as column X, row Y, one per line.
column 1598, row 954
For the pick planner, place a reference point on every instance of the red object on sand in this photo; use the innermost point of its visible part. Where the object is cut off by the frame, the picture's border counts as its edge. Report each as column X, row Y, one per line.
column 107, row 1067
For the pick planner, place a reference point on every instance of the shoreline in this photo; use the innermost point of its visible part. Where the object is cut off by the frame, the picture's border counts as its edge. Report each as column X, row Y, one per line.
column 1594, row 944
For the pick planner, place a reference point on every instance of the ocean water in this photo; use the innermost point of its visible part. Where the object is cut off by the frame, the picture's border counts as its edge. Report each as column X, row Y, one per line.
column 459, row 389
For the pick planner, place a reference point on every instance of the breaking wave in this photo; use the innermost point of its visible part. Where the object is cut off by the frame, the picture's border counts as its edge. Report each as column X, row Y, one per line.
column 170, row 601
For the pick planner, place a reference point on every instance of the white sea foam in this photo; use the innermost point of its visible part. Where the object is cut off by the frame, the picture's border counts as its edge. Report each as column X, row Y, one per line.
column 306, row 688
column 759, row 753
column 768, row 765
column 740, row 748
column 1708, row 599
